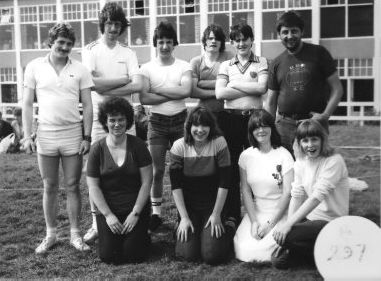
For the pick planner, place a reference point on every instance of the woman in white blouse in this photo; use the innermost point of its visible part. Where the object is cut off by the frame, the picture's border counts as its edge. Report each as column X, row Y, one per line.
column 319, row 194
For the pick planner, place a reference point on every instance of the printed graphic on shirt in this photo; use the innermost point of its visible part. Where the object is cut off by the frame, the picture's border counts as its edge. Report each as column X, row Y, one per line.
column 298, row 77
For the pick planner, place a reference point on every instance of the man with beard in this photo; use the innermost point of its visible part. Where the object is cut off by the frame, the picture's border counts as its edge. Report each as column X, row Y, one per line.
column 299, row 79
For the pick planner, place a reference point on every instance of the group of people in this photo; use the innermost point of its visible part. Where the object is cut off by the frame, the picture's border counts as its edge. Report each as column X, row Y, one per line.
column 235, row 139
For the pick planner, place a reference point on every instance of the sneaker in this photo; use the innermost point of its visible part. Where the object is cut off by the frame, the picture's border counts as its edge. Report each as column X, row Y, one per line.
column 79, row 244
column 280, row 258
column 91, row 235
column 154, row 222
column 46, row 244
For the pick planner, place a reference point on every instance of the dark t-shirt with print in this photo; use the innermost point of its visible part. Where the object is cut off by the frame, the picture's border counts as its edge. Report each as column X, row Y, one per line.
column 120, row 185
column 301, row 79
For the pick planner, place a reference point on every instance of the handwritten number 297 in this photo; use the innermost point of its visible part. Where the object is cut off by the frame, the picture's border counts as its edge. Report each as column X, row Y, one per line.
column 343, row 252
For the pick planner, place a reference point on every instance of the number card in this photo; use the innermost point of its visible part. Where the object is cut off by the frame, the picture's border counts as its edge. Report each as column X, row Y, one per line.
column 349, row 248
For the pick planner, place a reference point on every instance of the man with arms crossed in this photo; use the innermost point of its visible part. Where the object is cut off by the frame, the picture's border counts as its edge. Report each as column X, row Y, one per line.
column 241, row 82
column 115, row 71
column 167, row 81
column 297, row 81
column 59, row 83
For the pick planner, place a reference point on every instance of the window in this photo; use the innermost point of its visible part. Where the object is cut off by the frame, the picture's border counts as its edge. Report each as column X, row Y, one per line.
column 360, row 67
column 273, row 9
column 8, row 85
column 363, row 90
column 6, row 15
column 72, row 13
column 7, row 30
column 35, row 24
column 139, row 19
column 346, row 18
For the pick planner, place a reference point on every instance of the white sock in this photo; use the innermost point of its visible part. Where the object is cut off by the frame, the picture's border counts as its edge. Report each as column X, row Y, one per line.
column 51, row 232
column 75, row 233
column 156, row 205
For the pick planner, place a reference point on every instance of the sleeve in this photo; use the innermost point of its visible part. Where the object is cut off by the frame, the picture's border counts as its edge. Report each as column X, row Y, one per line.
column 330, row 174
column 186, row 67
column 144, row 71
column 176, row 164
column 93, row 162
column 297, row 189
column 87, row 59
column 263, row 66
column 195, row 65
column 223, row 162
column 327, row 63
column 142, row 155
column 86, row 79
column 272, row 80
column 287, row 161
column 132, row 64
column 242, row 160
column 223, row 71
column 29, row 78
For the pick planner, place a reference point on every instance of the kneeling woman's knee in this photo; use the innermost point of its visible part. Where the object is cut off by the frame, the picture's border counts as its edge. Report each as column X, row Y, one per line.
column 215, row 250
column 189, row 250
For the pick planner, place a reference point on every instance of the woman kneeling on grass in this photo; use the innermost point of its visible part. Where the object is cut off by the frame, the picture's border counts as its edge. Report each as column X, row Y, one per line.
column 119, row 176
column 200, row 177
column 320, row 193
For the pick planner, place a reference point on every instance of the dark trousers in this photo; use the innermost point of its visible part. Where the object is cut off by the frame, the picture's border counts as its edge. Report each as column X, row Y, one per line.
column 301, row 239
column 201, row 245
column 127, row 248
column 234, row 128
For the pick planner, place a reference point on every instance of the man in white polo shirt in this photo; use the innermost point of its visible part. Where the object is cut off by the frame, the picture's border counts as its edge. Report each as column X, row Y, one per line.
column 59, row 83
column 241, row 82
column 115, row 70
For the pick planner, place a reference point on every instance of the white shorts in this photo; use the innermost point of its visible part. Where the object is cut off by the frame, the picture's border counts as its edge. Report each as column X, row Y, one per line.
column 59, row 142
column 98, row 132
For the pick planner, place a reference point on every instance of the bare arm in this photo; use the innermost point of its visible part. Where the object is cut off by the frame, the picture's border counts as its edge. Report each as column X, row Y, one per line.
column 185, row 223
column 258, row 88
column 223, row 92
column 134, row 86
column 201, row 93
column 102, row 84
column 216, row 226
column 27, row 116
column 87, row 118
column 177, row 92
column 207, row 84
column 336, row 92
column 271, row 103
column 147, row 98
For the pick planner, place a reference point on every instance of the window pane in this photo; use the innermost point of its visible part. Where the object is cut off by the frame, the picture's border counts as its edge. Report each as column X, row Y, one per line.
column 359, row 1
column 6, row 15
column 222, row 20
column 9, row 93
column 363, row 90
column 139, row 8
column 78, row 35
column 189, row 6
column 189, row 29
column 91, row 31
column 7, row 37
column 268, row 27
column 307, row 18
column 29, row 39
column 332, row 22
column 139, row 31
column 44, row 34
column 360, row 21
column 247, row 18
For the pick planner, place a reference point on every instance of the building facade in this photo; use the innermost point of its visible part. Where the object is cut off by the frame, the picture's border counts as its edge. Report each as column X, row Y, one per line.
column 349, row 29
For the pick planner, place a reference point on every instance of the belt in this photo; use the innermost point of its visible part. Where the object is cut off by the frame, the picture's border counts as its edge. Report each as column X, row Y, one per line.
column 295, row 116
column 246, row 112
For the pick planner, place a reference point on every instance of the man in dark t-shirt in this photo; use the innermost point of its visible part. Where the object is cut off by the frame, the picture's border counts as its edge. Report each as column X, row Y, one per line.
column 299, row 79
column 5, row 127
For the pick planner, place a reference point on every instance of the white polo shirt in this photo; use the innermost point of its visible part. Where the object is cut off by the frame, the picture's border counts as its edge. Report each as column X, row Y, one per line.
column 232, row 70
column 109, row 63
column 57, row 95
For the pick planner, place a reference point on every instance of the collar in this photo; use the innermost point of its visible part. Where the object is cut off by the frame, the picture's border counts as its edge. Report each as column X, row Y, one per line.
column 252, row 58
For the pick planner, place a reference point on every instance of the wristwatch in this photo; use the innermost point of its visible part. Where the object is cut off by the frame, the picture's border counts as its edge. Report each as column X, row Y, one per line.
column 87, row 138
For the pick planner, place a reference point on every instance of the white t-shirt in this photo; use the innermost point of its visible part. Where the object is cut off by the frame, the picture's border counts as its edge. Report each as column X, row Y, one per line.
column 57, row 95
column 166, row 76
column 326, row 179
column 109, row 63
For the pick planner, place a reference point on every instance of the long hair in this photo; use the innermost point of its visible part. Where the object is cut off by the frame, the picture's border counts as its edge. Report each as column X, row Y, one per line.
column 312, row 128
column 115, row 106
column 218, row 33
column 261, row 118
column 200, row 116
column 112, row 11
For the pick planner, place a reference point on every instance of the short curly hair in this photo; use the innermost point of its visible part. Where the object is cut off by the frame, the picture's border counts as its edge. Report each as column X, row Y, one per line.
column 61, row 29
column 115, row 106
column 112, row 11
column 165, row 29
column 261, row 118
column 200, row 116
column 290, row 19
column 218, row 33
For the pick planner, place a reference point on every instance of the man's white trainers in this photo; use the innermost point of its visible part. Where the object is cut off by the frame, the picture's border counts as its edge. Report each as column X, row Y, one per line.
column 46, row 244
column 90, row 235
column 79, row 244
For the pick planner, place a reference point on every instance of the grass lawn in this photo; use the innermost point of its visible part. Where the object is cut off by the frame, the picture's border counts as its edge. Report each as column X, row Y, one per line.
column 22, row 226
